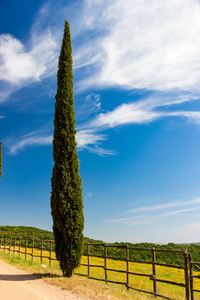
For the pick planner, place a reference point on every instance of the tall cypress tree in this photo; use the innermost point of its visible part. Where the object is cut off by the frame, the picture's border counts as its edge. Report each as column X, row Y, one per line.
column 66, row 196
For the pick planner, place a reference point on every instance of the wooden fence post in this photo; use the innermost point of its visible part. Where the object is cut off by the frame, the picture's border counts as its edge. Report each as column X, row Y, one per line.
column 10, row 244
column 105, row 262
column 154, row 270
column 191, row 278
column 1, row 242
column 26, row 245
column 32, row 248
column 187, row 294
column 14, row 246
column 5, row 244
column 20, row 239
column 50, row 252
column 127, row 266
column 41, row 251
column 88, row 256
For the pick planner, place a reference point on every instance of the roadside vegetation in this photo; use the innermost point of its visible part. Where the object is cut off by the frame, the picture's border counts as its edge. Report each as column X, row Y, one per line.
column 32, row 232
column 93, row 289
column 78, row 285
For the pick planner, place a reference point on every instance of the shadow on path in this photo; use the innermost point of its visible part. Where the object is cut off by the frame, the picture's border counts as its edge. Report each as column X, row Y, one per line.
column 25, row 277
column 18, row 277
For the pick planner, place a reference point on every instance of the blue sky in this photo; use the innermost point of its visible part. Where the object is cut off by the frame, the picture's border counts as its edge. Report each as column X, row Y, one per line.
column 136, row 89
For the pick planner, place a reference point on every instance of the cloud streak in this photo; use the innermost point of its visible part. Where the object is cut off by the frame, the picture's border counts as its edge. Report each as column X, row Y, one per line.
column 86, row 139
column 152, row 46
column 163, row 206
column 143, row 214
column 89, row 135
column 143, row 111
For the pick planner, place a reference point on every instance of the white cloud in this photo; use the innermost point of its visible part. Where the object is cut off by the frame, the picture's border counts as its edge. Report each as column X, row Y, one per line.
column 90, row 139
column 152, row 45
column 19, row 66
column 89, row 134
column 163, row 206
column 133, row 219
column 143, row 111
column 100, row 151
column 125, row 114
column 22, row 63
column 143, row 214
column 21, row 143
column 87, row 106
column 192, row 116
column 86, row 139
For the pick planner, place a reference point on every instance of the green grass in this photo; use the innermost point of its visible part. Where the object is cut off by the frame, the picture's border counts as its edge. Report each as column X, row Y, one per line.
column 139, row 282
column 78, row 285
column 90, row 288
column 170, row 258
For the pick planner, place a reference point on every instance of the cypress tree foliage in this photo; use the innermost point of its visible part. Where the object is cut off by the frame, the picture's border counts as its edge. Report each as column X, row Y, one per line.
column 66, row 195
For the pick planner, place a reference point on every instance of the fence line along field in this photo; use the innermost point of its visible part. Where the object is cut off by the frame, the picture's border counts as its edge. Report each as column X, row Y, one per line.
column 168, row 281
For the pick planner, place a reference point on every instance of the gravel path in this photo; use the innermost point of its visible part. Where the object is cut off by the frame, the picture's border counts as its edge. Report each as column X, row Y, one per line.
column 17, row 284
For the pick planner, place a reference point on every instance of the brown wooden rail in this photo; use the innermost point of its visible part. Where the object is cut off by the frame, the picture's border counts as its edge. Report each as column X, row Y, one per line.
column 15, row 245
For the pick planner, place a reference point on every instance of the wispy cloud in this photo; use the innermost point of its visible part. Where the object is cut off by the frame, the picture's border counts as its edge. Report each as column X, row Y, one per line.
column 192, row 116
column 89, row 135
column 90, row 139
column 25, row 141
column 149, row 214
column 86, row 139
column 25, row 63
column 88, row 106
column 125, row 114
column 143, row 111
column 173, row 204
column 152, row 45
column 19, row 65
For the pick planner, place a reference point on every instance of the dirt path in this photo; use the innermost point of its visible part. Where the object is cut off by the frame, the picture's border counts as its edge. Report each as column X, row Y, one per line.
column 16, row 284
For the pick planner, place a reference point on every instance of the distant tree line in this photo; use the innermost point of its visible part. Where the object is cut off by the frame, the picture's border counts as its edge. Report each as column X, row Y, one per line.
column 169, row 258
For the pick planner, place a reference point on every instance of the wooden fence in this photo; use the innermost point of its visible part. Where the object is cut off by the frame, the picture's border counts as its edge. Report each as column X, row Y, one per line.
column 152, row 276
column 193, row 266
column 15, row 245
column 27, row 246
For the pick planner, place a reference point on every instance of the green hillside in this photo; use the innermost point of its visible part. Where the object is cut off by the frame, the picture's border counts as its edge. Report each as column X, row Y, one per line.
column 170, row 258
column 31, row 232
column 25, row 232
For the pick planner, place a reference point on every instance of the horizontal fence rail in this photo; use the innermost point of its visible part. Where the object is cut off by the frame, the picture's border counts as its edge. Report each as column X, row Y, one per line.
column 45, row 250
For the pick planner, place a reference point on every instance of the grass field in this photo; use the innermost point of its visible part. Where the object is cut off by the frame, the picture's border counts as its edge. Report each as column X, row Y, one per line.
column 144, row 283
